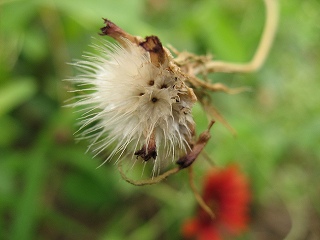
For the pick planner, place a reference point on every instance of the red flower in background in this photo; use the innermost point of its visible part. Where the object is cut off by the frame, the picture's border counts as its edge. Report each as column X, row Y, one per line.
column 227, row 193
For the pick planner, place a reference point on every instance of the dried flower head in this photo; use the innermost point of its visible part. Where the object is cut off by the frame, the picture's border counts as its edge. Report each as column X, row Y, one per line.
column 135, row 97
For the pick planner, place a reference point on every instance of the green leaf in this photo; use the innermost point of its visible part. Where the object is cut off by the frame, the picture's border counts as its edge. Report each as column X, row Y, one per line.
column 15, row 93
column 28, row 209
column 10, row 130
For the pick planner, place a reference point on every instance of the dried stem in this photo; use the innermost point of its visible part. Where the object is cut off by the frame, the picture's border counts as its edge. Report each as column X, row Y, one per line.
column 261, row 52
column 212, row 111
column 148, row 181
column 198, row 197
column 216, row 87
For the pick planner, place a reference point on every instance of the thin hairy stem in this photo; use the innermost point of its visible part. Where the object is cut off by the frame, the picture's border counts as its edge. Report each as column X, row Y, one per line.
column 148, row 181
column 216, row 87
column 198, row 197
column 212, row 111
column 206, row 157
column 262, row 51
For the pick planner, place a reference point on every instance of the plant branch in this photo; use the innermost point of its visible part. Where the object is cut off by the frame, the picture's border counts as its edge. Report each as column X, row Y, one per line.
column 262, row 51
column 198, row 197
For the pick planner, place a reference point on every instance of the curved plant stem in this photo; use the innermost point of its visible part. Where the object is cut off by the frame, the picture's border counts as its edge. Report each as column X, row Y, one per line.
column 270, row 27
column 148, row 181
column 198, row 197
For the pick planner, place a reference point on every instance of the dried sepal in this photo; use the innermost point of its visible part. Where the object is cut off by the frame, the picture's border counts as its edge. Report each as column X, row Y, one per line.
column 153, row 45
column 112, row 30
column 189, row 158
column 148, row 151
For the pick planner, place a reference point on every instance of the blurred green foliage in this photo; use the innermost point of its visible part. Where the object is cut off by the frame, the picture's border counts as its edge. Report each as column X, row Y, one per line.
column 51, row 189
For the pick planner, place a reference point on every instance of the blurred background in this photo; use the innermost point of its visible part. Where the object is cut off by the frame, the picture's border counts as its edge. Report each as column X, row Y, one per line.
column 51, row 189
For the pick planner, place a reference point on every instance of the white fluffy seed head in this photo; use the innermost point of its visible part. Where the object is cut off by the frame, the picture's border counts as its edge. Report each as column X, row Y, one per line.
column 134, row 107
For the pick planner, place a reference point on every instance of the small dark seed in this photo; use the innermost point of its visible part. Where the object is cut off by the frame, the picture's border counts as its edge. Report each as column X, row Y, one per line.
column 154, row 99
column 164, row 86
column 151, row 82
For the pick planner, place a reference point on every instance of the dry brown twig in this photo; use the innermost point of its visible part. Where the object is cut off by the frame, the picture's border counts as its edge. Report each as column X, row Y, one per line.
column 204, row 64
